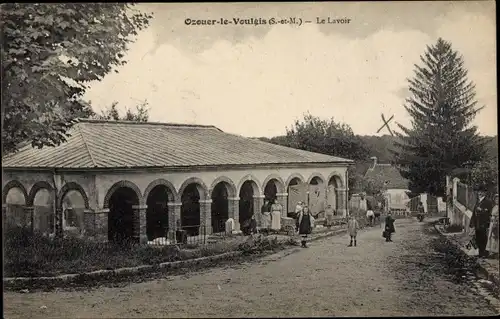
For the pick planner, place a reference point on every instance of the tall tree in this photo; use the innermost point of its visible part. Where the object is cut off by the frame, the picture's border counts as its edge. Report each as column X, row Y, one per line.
column 441, row 137
column 49, row 53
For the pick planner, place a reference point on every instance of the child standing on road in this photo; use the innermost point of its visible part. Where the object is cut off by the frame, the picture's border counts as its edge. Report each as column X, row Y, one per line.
column 306, row 224
column 352, row 229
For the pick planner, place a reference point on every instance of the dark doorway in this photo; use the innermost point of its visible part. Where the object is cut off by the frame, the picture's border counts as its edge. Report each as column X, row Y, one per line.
column 270, row 190
column 246, row 201
column 157, row 212
column 190, row 210
column 220, row 207
column 121, row 216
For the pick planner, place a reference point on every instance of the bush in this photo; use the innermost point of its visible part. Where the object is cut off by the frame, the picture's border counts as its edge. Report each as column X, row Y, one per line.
column 29, row 254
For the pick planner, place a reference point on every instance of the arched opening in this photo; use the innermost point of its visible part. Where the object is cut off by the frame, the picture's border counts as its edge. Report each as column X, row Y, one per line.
column 332, row 193
column 220, row 207
column 121, row 215
column 73, row 206
column 297, row 192
column 270, row 190
column 247, row 192
column 317, row 196
column 43, row 204
column 190, row 209
column 15, row 212
column 157, row 212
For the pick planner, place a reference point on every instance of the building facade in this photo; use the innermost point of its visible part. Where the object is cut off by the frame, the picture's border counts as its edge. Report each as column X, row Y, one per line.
column 140, row 181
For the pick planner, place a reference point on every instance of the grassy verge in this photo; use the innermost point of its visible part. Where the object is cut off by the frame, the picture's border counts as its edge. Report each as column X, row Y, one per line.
column 32, row 255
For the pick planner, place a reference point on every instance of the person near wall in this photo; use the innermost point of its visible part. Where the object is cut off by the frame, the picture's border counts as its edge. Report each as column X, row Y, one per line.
column 480, row 221
column 492, row 245
column 389, row 227
column 329, row 214
column 276, row 210
column 266, row 217
column 306, row 224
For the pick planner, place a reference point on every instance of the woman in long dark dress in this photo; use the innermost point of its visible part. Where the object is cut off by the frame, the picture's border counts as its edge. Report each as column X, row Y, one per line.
column 389, row 227
column 306, row 224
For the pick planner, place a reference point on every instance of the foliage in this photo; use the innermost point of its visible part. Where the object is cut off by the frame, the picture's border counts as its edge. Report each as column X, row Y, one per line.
column 485, row 175
column 49, row 53
column 140, row 115
column 373, row 187
column 326, row 137
column 32, row 254
column 442, row 107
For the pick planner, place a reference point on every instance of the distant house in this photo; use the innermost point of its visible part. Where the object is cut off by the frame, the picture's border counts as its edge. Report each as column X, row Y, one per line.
column 396, row 185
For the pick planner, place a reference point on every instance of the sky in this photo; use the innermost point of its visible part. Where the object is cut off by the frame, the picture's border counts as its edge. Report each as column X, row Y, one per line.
column 256, row 80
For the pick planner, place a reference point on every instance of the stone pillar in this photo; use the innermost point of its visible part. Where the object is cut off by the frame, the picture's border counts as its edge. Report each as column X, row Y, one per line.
column 89, row 223
column 234, row 211
column 140, row 223
column 342, row 202
column 59, row 222
column 206, row 216
column 174, row 217
column 4, row 214
column 29, row 213
column 283, row 200
column 258, row 201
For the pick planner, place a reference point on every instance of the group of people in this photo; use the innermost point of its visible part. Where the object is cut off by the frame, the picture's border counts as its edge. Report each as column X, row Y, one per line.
column 484, row 223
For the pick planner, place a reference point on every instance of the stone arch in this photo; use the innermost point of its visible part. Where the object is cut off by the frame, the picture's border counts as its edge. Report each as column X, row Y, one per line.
column 14, row 184
column 202, row 188
column 167, row 184
column 338, row 179
column 255, row 184
column 120, row 184
column 316, row 175
column 280, row 185
column 294, row 176
column 231, row 189
column 34, row 190
column 72, row 186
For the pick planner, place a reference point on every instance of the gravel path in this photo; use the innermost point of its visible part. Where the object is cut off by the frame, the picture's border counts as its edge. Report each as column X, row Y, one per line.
column 407, row 277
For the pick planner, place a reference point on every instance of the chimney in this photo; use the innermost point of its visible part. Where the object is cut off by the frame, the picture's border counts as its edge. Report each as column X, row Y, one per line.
column 374, row 159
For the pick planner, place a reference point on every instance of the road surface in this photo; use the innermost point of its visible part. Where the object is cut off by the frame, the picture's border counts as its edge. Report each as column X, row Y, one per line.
column 407, row 277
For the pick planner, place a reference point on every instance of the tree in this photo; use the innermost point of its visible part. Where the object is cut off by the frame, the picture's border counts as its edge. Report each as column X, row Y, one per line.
column 327, row 137
column 49, row 53
column 442, row 106
column 111, row 113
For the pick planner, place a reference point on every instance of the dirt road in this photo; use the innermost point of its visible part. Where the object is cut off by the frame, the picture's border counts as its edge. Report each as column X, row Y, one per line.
column 406, row 277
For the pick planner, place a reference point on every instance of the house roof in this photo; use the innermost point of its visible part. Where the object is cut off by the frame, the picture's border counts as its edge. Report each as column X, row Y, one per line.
column 388, row 174
column 123, row 144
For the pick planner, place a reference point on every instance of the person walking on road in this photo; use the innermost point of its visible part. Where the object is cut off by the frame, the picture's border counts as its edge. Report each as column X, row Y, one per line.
column 389, row 227
column 480, row 221
column 492, row 246
column 306, row 224
column 369, row 213
column 352, row 229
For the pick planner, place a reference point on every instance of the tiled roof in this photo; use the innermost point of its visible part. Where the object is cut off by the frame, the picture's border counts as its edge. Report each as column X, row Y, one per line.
column 388, row 174
column 113, row 144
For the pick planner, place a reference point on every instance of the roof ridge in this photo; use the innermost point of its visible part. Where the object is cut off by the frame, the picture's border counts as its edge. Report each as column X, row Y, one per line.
column 86, row 145
column 88, row 120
